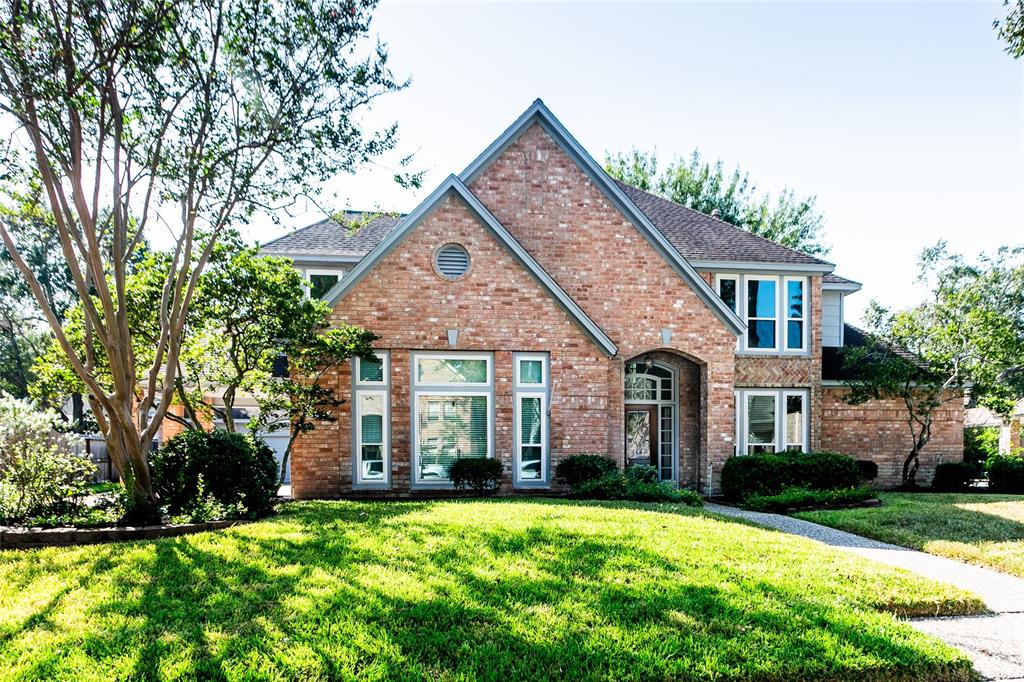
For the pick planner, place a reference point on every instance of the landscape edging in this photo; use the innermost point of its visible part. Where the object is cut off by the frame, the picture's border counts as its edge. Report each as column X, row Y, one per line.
column 30, row 538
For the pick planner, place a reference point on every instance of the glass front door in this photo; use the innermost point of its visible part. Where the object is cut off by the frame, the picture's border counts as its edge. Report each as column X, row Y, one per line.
column 642, row 435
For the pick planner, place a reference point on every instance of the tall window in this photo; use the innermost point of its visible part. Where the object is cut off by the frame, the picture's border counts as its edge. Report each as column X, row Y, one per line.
column 762, row 313
column 371, row 404
column 531, row 458
column 794, row 313
column 453, row 403
column 771, row 420
column 728, row 289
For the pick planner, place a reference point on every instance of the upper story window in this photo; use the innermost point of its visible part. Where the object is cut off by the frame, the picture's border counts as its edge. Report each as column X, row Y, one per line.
column 774, row 308
column 322, row 281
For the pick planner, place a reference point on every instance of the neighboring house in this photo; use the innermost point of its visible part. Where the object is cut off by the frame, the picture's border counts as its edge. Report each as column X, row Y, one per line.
column 1011, row 430
column 532, row 308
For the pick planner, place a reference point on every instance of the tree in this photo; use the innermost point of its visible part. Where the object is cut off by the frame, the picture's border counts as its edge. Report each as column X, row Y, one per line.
column 1011, row 29
column 706, row 187
column 968, row 336
column 187, row 115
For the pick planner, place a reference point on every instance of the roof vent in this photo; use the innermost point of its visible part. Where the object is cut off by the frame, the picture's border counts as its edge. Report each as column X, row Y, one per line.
column 452, row 261
column 715, row 213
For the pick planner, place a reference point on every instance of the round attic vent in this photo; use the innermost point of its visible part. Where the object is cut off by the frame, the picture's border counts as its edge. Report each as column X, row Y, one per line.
column 452, row 261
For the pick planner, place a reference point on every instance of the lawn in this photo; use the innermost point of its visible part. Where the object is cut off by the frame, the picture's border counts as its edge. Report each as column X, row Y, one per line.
column 499, row 590
column 987, row 530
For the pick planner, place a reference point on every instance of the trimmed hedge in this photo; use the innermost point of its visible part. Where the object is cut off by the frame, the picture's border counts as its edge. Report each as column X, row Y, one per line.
column 482, row 474
column 770, row 474
column 579, row 469
column 868, row 469
column 953, row 477
column 1006, row 474
column 235, row 470
column 792, row 498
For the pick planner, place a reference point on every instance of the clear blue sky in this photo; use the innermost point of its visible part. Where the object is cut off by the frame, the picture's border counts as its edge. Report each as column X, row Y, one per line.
column 905, row 120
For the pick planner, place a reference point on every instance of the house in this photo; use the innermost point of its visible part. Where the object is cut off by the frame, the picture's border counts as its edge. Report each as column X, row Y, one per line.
column 533, row 308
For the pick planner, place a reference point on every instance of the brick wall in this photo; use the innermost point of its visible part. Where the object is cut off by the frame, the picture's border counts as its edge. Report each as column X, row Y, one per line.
column 877, row 430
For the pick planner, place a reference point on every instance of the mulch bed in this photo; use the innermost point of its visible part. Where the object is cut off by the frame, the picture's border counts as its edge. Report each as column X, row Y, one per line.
column 28, row 538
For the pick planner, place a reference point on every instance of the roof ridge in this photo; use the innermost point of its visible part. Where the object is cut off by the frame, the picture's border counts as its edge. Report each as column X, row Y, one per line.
column 725, row 223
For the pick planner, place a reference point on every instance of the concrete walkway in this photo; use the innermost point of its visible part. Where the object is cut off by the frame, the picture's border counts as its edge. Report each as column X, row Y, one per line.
column 994, row 642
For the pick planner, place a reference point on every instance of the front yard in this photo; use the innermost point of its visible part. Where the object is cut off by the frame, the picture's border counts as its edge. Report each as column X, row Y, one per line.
column 462, row 590
column 987, row 530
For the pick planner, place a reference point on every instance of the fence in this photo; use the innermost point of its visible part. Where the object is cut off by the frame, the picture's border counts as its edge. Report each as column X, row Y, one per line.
column 96, row 450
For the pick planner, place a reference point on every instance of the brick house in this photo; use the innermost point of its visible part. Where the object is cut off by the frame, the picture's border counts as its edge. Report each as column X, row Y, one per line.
column 533, row 308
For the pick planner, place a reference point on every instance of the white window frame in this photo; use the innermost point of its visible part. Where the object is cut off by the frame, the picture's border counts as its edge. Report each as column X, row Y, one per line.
column 466, row 389
column 453, row 356
column 309, row 272
column 804, row 326
column 383, row 357
column 719, row 277
column 746, row 309
column 805, row 427
column 780, row 394
column 543, row 391
column 382, row 388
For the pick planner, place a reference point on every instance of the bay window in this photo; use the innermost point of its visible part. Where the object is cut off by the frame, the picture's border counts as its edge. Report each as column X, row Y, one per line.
column 771, row 420
column 371, row 429
column 453, row 402
column 530, row 415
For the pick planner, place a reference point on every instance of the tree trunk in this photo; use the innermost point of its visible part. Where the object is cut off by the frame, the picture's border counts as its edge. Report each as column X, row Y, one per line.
column 910, row 466
column 287, row 453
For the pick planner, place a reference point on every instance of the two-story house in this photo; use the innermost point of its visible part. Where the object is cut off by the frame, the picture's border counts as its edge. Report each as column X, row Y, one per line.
column 533, row 308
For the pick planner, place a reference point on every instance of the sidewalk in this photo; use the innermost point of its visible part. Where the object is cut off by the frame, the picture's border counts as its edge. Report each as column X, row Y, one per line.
column 995, row 643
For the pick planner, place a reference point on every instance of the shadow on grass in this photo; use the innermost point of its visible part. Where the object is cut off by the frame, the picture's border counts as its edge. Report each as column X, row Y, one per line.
column 435, row 590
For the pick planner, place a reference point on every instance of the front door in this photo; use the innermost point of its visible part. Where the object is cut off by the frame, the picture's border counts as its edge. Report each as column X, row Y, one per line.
column 642, row 435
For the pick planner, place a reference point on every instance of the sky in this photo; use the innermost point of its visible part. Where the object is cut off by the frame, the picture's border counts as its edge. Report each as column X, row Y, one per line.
column 905, row 120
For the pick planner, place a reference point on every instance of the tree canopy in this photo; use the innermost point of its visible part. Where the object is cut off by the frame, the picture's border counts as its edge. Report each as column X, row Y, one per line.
column 706, row 186
column 1011, row 28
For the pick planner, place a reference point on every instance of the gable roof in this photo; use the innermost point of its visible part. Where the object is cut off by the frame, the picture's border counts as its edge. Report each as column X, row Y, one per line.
column 539, row 113
column 702, row 238
column 833, row 366
column 330, row 238
column 454, row 186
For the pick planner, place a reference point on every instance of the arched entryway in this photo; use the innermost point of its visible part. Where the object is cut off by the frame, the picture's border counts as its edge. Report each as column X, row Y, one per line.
column 661, row 400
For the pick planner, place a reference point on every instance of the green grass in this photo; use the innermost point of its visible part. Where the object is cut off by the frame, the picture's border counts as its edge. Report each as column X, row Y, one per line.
column 987, row 530
column 97, row 488
column 499, row 590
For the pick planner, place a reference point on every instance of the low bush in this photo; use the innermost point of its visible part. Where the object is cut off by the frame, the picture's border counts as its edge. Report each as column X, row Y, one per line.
column 482, row 474
column 636, row 484
column 579, row 469
column 795, row 498
column 868, row 469
column 981, row 443
column 238, row 472
column 40, row 474
column 770, row 474
column 953, row 477
column 1006, row 473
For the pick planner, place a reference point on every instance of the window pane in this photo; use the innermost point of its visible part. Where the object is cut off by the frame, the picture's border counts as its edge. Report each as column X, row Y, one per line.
column 795, row 421
column 529, row 421
column 761, row 298
column 531, row 372
column 727, row 290
column 373, row 462
column 761, row 334
column 795, row 299
column 321, row 284
column 371, row 370
column 760, row 420
column 371, row 418
column 451, row 371
column 794, row 335
column 529, row 463
column 641, row 387
column 461, row 431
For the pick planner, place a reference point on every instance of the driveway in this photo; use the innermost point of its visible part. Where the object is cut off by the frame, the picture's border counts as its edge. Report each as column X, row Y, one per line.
column 994, row 642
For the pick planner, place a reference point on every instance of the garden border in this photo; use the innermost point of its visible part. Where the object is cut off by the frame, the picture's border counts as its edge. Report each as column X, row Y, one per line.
column 31, row 538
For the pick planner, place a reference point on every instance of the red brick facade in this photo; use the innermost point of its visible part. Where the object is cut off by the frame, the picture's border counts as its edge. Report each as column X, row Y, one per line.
column 607, row 266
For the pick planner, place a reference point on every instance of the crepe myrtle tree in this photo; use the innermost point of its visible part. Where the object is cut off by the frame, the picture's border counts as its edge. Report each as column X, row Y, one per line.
column 969, row 336
column 183, row 116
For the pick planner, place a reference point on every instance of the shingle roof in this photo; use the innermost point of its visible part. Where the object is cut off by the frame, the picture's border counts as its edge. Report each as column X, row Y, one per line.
column 330, row 238
column 836, row 279
column 700, row 237
column 832, row 365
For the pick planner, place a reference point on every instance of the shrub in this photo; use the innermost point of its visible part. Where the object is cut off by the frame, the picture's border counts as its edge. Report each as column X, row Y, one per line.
column 1006, row 473
column 482, row 474
column 980, row 444
column 953, row 477
column 868, row 469
column 770, row 474
column 238, row 472
column 641, row 474
column 40, row 474
column 579, row 469
column 636, row 487
column 793, row 498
